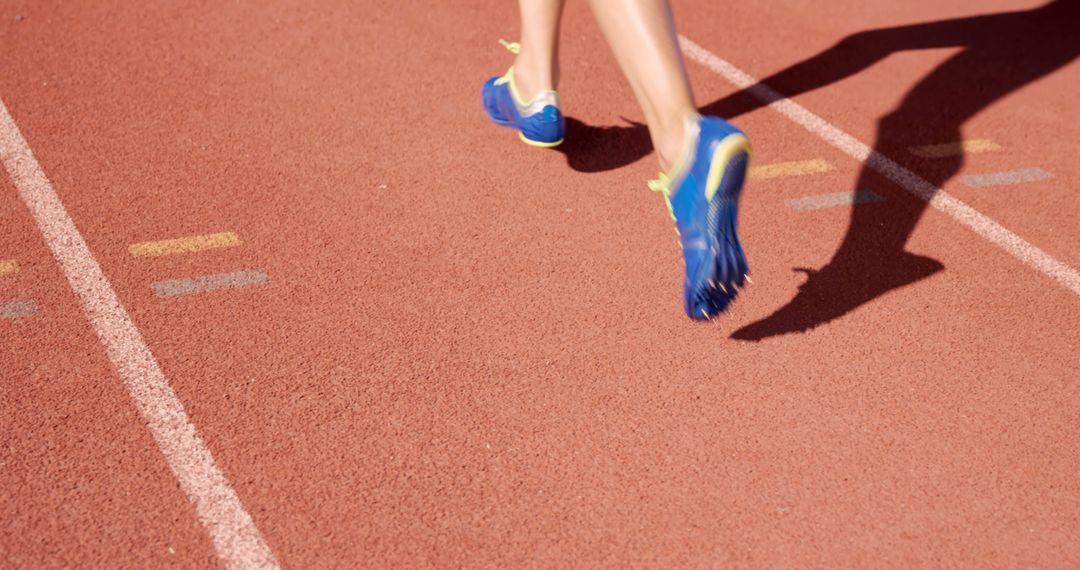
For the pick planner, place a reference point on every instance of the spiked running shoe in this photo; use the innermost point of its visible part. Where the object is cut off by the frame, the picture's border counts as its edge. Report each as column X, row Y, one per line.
column 539, row 122
column 703, row 196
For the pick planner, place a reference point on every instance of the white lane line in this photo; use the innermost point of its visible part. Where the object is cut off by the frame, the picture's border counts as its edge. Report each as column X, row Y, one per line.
column 1006, row 178
column 205, row 283
column 823, row 201
column 236, row 540
column 906, row 179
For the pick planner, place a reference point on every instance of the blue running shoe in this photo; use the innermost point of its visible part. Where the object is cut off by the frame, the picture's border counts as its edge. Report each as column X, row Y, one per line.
column 703, row 196
column 539, row 122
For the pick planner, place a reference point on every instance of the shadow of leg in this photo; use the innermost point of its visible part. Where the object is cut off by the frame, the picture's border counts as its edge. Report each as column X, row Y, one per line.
column 871, row 260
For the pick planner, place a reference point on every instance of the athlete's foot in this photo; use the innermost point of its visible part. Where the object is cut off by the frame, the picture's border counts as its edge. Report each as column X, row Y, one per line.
column 837, row 289
column 530, row 81
column 673, row 147
column 538, row 120
column 702, row 193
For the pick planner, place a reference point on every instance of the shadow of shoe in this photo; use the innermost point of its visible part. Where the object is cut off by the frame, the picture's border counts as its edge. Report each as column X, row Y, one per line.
column 836, row 289
column 596, row 149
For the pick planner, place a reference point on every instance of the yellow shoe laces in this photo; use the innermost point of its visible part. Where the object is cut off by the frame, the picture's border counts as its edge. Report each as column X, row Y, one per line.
column 662, row 184
column 512, row 47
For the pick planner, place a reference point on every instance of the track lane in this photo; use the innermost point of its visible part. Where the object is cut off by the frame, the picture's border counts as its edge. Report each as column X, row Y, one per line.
column 83, row 483
column 429, row 378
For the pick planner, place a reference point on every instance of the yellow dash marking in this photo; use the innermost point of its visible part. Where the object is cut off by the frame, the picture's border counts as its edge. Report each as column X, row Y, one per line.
column 796, row 168
column 8, row 267
column 184, row 244
column 970, row 146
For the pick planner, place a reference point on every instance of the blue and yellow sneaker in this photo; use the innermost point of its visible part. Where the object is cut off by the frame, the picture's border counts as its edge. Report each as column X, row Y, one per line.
column 539, row 122
column 702, row 194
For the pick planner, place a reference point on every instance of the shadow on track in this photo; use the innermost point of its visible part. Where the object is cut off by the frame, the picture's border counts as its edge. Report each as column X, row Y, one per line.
column 1001, row 53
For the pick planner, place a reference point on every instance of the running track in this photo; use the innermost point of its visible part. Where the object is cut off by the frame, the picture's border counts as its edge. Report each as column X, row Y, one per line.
column 443, row 348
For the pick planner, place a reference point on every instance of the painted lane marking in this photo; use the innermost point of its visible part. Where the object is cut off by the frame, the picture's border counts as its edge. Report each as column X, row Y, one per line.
column 913, row 183
column 184, row 245
column 797, row 168
column 236, row 539
column 969, row 146
column 17, row 309
column 833, row 200
column 204, row 283
column 8, row 267
column 1006, row 178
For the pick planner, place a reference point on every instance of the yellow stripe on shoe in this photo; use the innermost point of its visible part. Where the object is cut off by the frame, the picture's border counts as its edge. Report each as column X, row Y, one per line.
column 725, row 151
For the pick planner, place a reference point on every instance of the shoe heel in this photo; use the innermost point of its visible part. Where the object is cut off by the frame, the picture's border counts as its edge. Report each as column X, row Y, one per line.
column 728, row 148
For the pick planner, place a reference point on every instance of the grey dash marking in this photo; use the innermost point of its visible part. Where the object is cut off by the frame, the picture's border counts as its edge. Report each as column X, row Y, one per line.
column 1005, row 178
column 206, row 283
column 833, row 200
column 17, row 309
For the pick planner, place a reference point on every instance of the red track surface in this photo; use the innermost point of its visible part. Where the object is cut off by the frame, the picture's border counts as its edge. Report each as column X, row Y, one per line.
column 472, row 353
